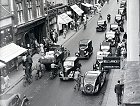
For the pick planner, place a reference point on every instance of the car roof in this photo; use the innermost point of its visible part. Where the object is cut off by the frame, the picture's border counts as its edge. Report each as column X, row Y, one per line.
column 71, row 58
column 94, row 73
column 84, row 41
column 122, row 8
column 114, row 24
column 118, row 15
column 101, row 20
column 110, row 32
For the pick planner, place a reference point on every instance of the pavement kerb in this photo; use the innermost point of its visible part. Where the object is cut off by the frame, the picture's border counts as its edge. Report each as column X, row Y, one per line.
column 21, row 78
column 13, row 85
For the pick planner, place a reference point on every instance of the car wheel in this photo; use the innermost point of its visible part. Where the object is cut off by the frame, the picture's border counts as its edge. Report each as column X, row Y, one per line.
column 88, row 88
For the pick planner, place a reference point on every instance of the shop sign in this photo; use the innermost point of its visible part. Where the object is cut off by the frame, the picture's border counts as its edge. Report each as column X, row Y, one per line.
column 111, row 62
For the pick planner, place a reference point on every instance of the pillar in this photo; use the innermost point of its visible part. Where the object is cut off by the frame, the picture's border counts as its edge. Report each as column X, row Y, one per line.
column 133, row 30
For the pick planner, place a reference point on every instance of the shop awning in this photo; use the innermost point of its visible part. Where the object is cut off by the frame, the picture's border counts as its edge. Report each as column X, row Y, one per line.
column 77, row 10
column 64, row 19
column 10, row 52
column 2, row 65
column 87, row 5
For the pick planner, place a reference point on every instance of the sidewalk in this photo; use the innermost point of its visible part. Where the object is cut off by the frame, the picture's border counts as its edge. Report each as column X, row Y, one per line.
column 110, row 98
column 17, row 76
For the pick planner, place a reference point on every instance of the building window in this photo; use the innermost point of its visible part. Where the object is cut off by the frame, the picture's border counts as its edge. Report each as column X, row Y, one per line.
column 38, row 8
column 6, row 36
column 29, row 6
column 20, row 13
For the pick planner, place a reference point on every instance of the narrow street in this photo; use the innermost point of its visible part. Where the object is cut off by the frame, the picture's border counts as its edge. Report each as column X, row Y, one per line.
column 45, row 92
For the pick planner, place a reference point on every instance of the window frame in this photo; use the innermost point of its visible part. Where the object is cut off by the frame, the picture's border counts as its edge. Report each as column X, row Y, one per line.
column 20, row 12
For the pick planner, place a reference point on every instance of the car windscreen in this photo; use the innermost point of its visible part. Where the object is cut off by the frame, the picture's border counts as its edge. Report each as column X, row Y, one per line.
column 90, row 78
column 114, row 26
column 118, row 17
column 83, row 45
column 100, row 22
column 69, row 64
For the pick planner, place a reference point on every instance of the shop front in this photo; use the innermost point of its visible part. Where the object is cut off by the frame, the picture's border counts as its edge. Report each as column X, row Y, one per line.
column 86, row 7
column 9, row 54
column 63, row 21
column 77, row 13
column 27, row 34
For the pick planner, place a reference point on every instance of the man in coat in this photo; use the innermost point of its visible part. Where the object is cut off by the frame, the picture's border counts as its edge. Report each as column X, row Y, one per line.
column 118, row 90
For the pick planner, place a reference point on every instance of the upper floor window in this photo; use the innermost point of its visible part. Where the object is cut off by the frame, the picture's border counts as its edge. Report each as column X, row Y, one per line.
column 38, row 12
column 29, row 6
column 20, row 12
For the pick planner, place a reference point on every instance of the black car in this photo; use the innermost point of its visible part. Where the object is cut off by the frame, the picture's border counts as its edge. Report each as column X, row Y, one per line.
column 101, row 26
column 123, row 4
column 116, row 28
column 85, row 49
column 119, row 19
column 93, row 81
column 105, row 46
column 71, row 65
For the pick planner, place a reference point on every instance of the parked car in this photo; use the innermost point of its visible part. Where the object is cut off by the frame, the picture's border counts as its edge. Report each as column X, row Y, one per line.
column 105, row 46
column 85, row 49
column 101, row 54
column 93, row 81
column 119, row 19
column 71, row 65
column 101, row 26
column 13, row 100
column 123, row 3
column 116, row 28
column 109, row 35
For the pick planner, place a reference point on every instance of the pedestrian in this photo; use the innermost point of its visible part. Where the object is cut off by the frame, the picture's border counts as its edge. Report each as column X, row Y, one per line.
column 118, row 90
column 76, row 26
column 64, row 33
column 125, row 36
column 77, row 78
column 6, row 78
column 29, row 63
column 117, row 1
column 2, row 81
column 42, row 49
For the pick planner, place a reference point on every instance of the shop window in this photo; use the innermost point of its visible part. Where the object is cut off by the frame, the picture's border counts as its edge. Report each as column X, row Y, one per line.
column 6, row 36
column 20, row 12
column 38, row 12
column 29, row 6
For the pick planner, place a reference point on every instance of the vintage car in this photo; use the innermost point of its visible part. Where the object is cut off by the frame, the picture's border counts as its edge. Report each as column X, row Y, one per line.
column 85, row 49
column 13, row 100
column 71, row 65
column 115, row 27
column 122, row 11
column 101, row 54
column 105, row 46
column 123, row 3
column 57, row 54
column 101, row 26
column 119, row 19
column 93, row 81
column 109, row 35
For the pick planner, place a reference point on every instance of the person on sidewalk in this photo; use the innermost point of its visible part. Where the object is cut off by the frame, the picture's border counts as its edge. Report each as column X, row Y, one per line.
column 118, row 90
column 64, row 33
column 29, row 62
column 117, row 1
column 6, row 78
